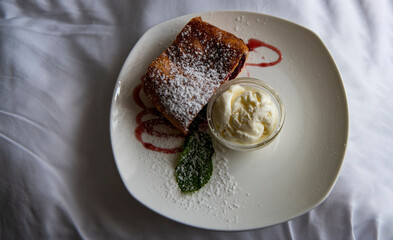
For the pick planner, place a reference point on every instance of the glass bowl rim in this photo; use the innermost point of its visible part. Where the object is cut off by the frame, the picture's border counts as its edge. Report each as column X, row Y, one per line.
column 254, row 82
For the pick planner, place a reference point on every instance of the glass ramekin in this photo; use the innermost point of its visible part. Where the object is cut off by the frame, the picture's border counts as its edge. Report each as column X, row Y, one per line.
column 254, row 83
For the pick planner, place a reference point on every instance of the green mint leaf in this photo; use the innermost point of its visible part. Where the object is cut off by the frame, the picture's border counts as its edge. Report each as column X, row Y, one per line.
column 195, row 165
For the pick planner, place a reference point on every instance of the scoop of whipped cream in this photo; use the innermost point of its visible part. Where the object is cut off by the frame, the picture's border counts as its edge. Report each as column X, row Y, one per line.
column 245, row 114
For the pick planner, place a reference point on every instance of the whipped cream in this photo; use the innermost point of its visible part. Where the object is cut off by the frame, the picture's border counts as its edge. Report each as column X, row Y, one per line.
column 245, row 114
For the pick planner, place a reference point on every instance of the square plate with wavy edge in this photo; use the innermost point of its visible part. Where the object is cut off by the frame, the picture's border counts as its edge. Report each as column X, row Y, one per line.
column 247, row 191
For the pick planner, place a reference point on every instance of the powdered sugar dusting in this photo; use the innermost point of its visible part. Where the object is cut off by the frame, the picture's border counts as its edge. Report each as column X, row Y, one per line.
column 218, row 198
column 187, row 74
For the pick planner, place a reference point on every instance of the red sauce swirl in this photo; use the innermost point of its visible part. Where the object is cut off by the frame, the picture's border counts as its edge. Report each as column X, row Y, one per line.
column 149, row 126
column 254, row 44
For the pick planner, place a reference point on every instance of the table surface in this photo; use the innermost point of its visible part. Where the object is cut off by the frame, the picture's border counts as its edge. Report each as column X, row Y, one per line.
column 59, row 62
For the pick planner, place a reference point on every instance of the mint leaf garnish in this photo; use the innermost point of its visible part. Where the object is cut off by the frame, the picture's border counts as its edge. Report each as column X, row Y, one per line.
column 195, row 165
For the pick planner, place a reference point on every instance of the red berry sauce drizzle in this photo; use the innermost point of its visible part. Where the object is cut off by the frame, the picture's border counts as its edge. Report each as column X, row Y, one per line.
column 254, row 44
column 150, row 126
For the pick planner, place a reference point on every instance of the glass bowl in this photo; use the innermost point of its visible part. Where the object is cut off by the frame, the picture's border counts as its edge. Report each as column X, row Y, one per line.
column 256, row 84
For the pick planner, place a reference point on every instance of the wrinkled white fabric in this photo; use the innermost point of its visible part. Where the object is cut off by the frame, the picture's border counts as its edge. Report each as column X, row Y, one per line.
column 59, row 61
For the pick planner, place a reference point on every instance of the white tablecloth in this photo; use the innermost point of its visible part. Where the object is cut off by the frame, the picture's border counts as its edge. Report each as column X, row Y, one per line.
column 59, row 61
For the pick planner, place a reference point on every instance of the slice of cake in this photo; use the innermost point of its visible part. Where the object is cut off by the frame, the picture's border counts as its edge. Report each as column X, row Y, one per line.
column 182, row 79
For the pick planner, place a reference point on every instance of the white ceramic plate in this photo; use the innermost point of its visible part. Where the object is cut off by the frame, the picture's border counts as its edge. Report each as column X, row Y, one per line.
column 247, row 191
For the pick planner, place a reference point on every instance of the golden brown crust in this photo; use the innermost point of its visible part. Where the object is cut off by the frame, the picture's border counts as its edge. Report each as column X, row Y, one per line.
column 182, row 79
